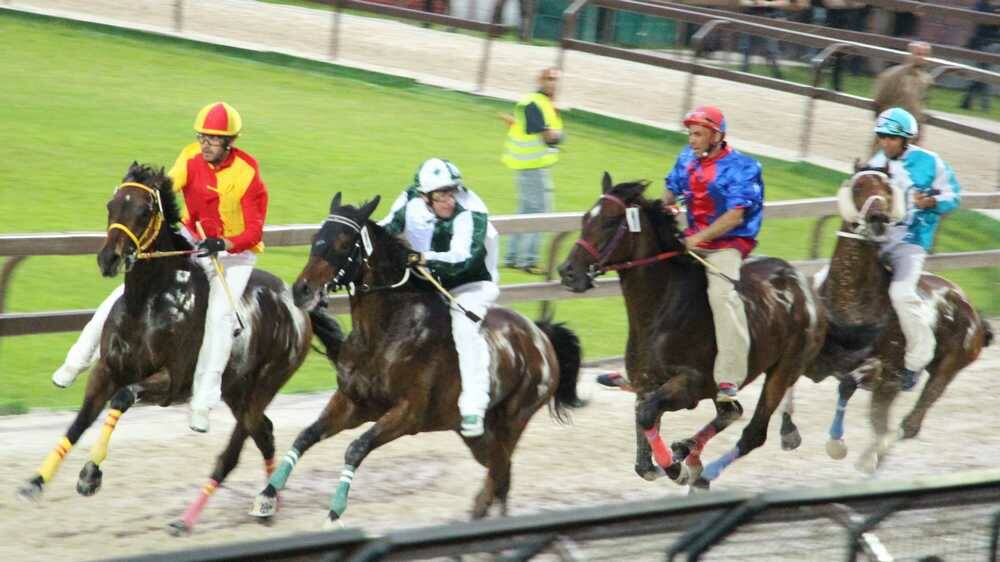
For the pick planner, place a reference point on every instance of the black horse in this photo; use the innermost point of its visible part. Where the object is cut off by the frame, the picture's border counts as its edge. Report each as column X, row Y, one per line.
column 151, row 337
column 398, row 366
column 671, row 345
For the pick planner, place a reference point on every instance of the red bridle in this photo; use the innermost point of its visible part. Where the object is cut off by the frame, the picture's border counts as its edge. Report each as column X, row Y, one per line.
column 601, row 256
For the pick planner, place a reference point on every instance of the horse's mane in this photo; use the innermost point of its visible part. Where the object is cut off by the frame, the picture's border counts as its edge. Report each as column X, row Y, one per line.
column 687, row 298
column 159, row 180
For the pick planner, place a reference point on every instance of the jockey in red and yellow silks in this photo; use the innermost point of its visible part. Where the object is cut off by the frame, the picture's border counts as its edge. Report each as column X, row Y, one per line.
column 224, row 195
column 228, row 199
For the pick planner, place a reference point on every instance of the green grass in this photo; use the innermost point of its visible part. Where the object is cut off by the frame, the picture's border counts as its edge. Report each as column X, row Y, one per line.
column 72, row 124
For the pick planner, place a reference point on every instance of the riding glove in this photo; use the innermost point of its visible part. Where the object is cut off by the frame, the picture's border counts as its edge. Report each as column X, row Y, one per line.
column 211, row 246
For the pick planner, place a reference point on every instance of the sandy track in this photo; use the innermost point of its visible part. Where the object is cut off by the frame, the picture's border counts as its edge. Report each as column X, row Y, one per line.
column 156, row 466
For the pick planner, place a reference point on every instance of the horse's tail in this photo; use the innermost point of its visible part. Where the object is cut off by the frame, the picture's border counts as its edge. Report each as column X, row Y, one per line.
column 568, row 354
column 327, row 329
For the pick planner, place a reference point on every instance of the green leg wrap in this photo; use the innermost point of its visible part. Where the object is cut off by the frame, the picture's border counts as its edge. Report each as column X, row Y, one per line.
column 284, row 469
column 338, row 503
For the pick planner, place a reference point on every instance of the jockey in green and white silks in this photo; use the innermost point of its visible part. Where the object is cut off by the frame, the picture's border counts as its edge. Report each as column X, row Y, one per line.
column 931, row 190
column 449, row 225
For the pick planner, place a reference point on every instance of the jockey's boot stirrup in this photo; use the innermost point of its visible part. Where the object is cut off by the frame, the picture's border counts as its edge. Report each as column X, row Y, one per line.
column 199, row 421
column 472, row 426
column 65, row 375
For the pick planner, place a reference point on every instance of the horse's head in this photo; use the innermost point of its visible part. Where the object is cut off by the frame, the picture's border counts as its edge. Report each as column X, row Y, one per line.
column 612, row 232
column 337, row 251
column 868, row 201
column 137, row 211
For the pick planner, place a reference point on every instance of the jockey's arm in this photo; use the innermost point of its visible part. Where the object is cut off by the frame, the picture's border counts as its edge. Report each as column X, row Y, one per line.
column 726, row 222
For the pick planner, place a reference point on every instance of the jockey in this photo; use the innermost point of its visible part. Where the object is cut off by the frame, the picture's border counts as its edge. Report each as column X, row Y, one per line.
column 449, row 225
column 931, row 191
column 224, row 194
column 724, row 192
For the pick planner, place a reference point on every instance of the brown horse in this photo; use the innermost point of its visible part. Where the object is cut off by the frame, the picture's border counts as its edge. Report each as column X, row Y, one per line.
column 671, row 343
column 148, row 337
column 398, row 366
column 862, row 321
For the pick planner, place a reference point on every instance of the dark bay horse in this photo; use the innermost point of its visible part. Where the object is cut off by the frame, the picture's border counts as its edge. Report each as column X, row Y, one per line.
column 671, row 343
column 855, row 290
column 151, row 338
column 398, row 367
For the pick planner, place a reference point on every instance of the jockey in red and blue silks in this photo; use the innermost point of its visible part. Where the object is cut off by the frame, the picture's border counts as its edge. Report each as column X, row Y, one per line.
column 724, row 193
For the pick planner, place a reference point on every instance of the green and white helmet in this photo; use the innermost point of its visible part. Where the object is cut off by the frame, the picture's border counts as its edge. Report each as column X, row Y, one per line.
column 437, row 173
column 896, row 122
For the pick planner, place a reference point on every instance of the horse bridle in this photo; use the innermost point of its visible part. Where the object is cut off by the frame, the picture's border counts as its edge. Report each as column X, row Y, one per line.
column 152, row 230
column 601, row 256
column 859, row 222
column 359, row 255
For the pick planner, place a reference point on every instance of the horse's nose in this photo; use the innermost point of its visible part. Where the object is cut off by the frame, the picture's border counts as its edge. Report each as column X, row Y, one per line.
column 301, row 293
column 565, row 273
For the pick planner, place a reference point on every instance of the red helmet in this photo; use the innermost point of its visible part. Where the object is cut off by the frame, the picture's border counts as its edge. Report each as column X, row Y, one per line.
column 707, row 116
column 220, row 119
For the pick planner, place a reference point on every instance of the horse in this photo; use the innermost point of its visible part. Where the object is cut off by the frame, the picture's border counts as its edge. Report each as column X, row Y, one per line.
column 671, row 342
column 398, row 366
column 146, row 341
column 862, row 322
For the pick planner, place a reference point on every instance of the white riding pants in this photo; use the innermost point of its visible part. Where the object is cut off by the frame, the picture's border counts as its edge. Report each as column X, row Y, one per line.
column 732, row 336
column 470, row 343
column 907, row 261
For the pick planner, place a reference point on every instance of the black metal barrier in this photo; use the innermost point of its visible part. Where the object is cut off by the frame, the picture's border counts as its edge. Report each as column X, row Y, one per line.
column 951, row 516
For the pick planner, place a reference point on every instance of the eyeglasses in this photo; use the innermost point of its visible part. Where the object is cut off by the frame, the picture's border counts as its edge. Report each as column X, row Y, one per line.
column 211, row 140
column 885, row 136
column 441, row 196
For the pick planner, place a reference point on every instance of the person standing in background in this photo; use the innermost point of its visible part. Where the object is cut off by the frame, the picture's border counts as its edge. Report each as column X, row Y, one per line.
column 533, row 133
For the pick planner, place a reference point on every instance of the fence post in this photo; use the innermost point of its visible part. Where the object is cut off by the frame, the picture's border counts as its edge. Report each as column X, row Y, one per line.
column 484, row 62
column 568, row 29
column 178, row 16
column 334, row 29
column 818, row 62
column 698, row 47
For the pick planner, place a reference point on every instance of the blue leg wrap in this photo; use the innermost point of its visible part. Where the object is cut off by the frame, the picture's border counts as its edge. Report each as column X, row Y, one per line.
column 837, row 427
column 714, row 469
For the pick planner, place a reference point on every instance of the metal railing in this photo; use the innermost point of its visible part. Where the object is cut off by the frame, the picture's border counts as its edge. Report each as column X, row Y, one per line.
column 17, row 247
column 850, row 518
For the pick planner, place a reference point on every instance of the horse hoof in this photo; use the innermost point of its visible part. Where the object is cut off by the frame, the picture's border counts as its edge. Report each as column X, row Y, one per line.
column 264, row 506
column 681, row 449
column 178, row 528
column 332, row 522
column 650, row 472
column 31, row 490
column 689, row 474
column 836, row 448
column 868, row 463
column 673, row 471
column 791, row 440
column 90, row 479
column 700, row 485
column 908, row 432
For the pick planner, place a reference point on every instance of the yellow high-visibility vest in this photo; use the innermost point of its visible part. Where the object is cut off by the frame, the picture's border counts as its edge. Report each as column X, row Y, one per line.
column 524, row 151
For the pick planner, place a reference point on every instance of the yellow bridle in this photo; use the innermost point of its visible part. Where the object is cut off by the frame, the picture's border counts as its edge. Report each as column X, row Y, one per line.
column 152, row 229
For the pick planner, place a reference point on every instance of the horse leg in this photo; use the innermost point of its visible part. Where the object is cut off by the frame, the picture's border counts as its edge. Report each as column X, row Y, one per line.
column 836, row 446
column 401, row 420
column 776, row 384
column 495, row 456
column 263, row 436
column 225, row 463
column 99, row 390
column 90, row 475
column 689, row 450
column 644, row 465
column 340, row 413
column 790, row 436
column 940, row 377
column 883, row 395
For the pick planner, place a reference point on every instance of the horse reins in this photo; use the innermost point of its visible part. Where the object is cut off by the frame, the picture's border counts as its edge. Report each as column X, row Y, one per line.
column 601, row 256
column 152, row 230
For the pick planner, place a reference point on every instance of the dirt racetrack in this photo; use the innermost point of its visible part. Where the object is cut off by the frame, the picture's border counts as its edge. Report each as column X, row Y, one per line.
column 155, row 467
